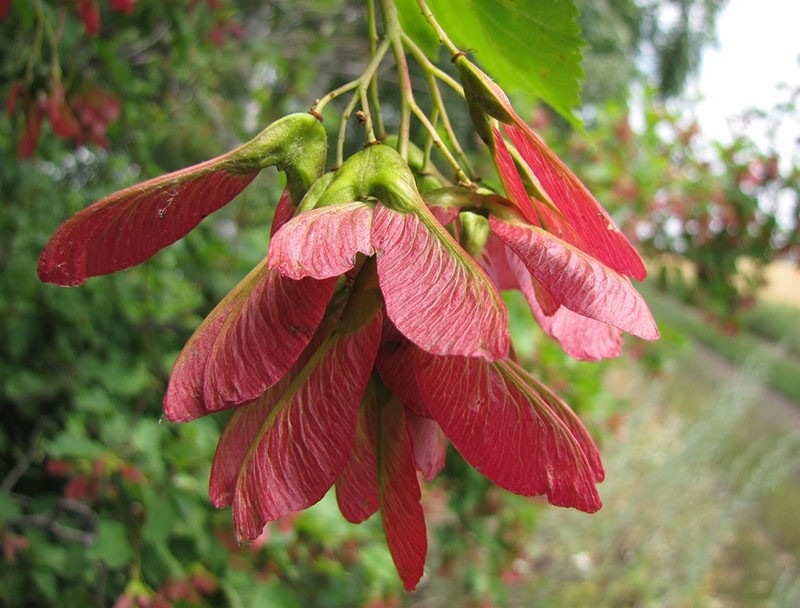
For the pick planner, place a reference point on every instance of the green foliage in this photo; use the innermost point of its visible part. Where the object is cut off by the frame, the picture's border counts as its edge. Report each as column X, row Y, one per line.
column 499, row 32
column 780, row 366
column 415, row 25
column 671, row 34
column 99, row 501
column 681, row 524
column 728, row 209
column 778, row 323
column 679, row 41
column 613, row 36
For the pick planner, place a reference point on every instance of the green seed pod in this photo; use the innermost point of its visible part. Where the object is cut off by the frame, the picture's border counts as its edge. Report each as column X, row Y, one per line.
column 416, row 157
column 378, row 172
column 416, row 162
column 427, row 183
column 474, row 232
column 483, row 92
column 484, row 99
column 315, row 192
column 296, row 144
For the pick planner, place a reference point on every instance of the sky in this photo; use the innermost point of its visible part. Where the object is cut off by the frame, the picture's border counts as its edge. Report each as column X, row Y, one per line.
column 759, row 48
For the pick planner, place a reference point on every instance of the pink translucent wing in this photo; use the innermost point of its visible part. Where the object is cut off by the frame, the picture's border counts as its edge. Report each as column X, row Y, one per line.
column 444, row 215
column 246, row 421
column 236, row 440
column 129, row 226
column 578, row 281
column 494, row 260
column 184, row 398
column 304, row 443
column 504, row 429
column 512, row 182
column 581, row 338
column 547, row 303
column 428, row 443
column 247, row 343
column 599, row 236
column 396, row 366
column 259, row 344
column 568, row 417
column 435, row 294
column 401, row 511
column 284, row 211
column 357, row 485
column 322, row 242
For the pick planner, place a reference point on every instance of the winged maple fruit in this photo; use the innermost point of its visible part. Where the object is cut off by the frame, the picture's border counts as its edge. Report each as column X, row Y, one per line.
column 443, row 360
column 370, row 336
column 129, row 226
column 550, row 198
column 576, row 299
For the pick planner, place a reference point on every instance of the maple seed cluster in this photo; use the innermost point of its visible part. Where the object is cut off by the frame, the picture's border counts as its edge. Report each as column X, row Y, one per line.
column 373, row 332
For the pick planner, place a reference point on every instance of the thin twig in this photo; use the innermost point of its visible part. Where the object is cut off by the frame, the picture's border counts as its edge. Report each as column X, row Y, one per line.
column 373, row 84
column 430, row 67
column 440, row 33
column 462, row 177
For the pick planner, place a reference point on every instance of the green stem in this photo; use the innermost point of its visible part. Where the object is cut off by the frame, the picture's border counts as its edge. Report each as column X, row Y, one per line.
column 440, row 33
column 432, row 72
column 430, row 67
column 426, row 151
column 361, row 86
column 320, row 104
column 362, row 82
column 342, row 131
column 393, row 33
column 373, row 85
column 407, row 99
column 462, row 177
column 438, row 102
column 367, row 116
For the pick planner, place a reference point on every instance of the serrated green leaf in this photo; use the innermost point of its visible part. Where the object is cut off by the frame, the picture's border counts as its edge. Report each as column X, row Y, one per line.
column 533, row 46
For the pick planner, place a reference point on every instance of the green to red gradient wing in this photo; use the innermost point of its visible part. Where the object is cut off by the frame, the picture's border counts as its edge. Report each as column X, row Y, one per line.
column 503, row 427
column 399, row 495
column 302, row 440
column 129, row 226
column 576, row 280
column 583, row 220
column 435, row 294
column 247, row 343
